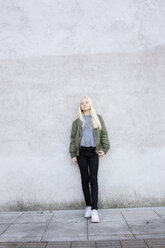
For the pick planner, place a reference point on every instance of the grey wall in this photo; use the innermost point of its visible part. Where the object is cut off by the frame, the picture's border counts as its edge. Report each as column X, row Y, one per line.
column 51, row 54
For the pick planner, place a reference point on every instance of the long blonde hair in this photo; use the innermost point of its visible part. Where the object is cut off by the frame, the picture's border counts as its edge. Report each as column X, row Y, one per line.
column 94, row 118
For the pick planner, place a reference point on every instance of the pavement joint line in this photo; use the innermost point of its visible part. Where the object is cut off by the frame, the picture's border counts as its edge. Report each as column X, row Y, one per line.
column 87, row 230
column 146, row 243
column 121, row 244
column 128, row 225
column 96, row 244
column 46, row 244
column 158, row 214
column 47, row 226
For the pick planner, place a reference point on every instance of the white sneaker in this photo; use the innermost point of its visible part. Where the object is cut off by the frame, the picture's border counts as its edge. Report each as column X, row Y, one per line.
column 95, row 216
column 87, row 212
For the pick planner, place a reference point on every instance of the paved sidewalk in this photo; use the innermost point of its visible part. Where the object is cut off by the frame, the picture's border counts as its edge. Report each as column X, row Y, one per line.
column 122, row 227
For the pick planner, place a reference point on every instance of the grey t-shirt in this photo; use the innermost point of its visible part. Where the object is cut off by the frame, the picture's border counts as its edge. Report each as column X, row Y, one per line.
column 88, row 138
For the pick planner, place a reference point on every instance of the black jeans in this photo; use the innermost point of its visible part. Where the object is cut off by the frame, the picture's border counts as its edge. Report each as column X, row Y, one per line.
column 88, row 156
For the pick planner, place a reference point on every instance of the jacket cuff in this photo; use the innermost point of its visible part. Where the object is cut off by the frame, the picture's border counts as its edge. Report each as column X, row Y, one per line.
column 105, row 150
column 73, row 155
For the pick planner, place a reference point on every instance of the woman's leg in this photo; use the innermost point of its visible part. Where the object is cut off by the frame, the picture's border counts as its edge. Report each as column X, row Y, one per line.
column 93, row 166
column 83, row 166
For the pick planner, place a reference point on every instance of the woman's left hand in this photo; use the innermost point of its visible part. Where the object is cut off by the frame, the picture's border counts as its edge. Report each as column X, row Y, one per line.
column 101, row 153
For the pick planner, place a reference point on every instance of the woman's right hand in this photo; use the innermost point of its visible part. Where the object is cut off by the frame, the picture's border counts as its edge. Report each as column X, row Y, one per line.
column 74, row 160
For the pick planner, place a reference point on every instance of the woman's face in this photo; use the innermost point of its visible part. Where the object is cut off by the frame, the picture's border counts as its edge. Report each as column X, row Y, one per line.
column 84, row 104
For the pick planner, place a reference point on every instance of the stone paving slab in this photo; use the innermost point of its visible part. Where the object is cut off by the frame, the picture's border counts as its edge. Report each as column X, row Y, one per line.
column 24, row 232
column 155, row 243
column 147, row 227
column 10, row 245
column 126, row 224
column 140, row 214
column 150, row 236
column 34, row 218
column 109, row 228
column 143, row 243
column 34, row 245
column 6, row 217
column 110, row 237
column 65, row 230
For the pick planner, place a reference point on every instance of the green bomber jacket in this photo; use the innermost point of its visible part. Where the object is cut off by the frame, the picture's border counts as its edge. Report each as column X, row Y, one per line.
column 101, row 137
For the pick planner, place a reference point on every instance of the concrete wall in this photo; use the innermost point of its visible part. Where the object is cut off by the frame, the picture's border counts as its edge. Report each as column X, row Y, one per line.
column 51, row 54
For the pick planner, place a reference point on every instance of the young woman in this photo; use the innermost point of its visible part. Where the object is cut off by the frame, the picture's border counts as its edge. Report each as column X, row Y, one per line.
column 89, row 140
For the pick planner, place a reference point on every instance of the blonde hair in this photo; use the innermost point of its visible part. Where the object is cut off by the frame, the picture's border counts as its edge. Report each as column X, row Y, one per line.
column 94, row 118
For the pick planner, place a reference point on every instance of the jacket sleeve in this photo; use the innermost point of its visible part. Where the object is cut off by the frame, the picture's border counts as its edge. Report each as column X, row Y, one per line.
column 104, row 136
column 73, row 138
